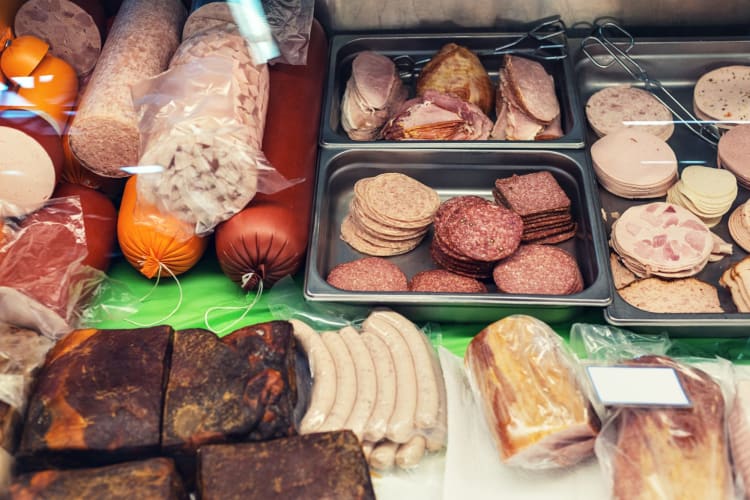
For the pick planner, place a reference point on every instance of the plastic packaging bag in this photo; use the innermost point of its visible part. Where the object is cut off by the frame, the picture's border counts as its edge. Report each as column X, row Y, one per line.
column 656, row 451
column 200, row 159
column 739, row 429
column 44, row 284
column 373, row 372
column 527, row 384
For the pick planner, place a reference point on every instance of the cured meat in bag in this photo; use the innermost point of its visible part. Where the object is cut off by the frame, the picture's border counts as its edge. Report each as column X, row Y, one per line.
column 202, row 133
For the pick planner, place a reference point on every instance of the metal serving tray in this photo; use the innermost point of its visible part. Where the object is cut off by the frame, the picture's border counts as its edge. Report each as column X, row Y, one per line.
column 451, row 173
column 677, row 64
column 344, row 49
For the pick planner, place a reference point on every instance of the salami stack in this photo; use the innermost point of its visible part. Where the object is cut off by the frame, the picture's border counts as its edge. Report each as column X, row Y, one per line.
column 661, row 239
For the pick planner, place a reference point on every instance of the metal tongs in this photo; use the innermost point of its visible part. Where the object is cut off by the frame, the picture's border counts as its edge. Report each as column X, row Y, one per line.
column 618, row 43
column 546, row 37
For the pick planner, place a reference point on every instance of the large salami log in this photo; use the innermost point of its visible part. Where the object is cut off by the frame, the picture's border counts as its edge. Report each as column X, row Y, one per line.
column 104, row 134
column 74, row 29
column 156, row 478
column 321, row 465
column 242, row 386
column 98, row 398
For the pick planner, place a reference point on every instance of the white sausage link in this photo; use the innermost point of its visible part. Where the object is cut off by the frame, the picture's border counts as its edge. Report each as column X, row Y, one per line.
column 346, row 382
column 366, row 382
column 401, row 423
column 385, row 402
column 384, row 455
column 428, row 398
column 323, row 372
column 409, row 454
column 367, row 447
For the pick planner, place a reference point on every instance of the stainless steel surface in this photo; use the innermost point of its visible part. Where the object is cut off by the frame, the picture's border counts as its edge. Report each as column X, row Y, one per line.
column 453, row 173
column 611, row 44
column 352, row 15
column 420, row 47
column 678, row 65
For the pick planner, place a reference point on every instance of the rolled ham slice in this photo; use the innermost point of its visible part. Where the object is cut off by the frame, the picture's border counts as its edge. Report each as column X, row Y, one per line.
column 104, row 134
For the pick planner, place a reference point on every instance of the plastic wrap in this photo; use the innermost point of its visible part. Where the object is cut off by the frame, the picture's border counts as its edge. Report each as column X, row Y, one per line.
column 201, row 157
column 656, row 452
column 44, row 284
column 289, row 21
column 526, row 383
column 739, row 429
column 373, row 372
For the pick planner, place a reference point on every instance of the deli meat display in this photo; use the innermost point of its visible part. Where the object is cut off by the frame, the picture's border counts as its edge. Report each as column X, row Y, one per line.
column 306, row 249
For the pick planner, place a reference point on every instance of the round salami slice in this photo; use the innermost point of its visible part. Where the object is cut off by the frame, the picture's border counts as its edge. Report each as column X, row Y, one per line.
column 539, row 269
column 734, row 153
column 370, row 274
column 484, row 232
column 440, row 280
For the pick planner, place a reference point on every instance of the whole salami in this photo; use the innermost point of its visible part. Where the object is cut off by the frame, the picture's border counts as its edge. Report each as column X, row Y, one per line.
column 104, row 133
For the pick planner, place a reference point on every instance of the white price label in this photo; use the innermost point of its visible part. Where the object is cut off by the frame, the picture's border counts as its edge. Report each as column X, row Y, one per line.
column 638, row 386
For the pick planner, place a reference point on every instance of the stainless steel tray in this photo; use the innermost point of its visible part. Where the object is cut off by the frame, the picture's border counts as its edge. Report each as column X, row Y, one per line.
column 420, row 46
column 454, row 172
column 677, row 64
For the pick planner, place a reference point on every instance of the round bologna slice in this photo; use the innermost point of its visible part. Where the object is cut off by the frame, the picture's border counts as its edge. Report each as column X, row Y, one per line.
column 73, row 29
column 614, row 108
column 27, row 173
column 734, row 153
column 721, row 94
column 539, row 269
column 661, row 239
column 634, row 164
column 370, row 274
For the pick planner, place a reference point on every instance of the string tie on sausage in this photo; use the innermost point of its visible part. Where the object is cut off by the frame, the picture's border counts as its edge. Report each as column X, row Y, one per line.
column 245, row 309
column 145, row 297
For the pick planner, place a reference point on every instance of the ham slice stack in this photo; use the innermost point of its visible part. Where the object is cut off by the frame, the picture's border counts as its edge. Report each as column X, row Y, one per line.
column 634, row 164
column 526, row 104
column 372, row 93
column 661, row 239
column 705, row 191
column 737, row 279
column 734, row 153
column 438, row 116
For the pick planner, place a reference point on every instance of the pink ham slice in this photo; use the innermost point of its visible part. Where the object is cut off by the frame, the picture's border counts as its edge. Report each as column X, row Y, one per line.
column 533, row 88
column 437, row 116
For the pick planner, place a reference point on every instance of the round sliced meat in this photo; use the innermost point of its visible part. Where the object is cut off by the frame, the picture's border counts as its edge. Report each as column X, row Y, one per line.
column 370, row 274
column 440, row 280
column 484, row 232
column 539, row 269
column 721, row 94
column 734, row 153
column 614, row 108
column 399, row 198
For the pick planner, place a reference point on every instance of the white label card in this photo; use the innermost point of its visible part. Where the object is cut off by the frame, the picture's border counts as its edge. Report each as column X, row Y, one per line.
column 638, row 386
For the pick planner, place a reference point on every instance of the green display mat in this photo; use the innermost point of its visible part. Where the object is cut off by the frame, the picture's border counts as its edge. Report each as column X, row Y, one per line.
column 205, row 286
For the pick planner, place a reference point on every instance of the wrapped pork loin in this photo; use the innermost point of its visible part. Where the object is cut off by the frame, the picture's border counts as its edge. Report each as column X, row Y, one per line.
column 670, row 453
column 533, row 404
column 373, row 92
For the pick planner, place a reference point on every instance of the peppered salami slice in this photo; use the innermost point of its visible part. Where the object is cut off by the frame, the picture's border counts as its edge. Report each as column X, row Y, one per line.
column 440, row 280
column 455, row 203
column 539, row 269
column 485, row 232
column 370, row 274
column 73, row 29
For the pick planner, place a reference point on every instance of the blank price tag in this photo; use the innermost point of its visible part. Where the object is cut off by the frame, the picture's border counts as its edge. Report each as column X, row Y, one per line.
column 638, row 386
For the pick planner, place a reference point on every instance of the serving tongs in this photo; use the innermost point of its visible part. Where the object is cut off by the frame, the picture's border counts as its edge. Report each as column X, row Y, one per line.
column 617, row 43
column 545, row 41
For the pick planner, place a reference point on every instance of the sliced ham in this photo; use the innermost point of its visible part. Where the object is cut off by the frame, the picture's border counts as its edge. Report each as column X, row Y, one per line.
column 533, row 87
column 437, row 116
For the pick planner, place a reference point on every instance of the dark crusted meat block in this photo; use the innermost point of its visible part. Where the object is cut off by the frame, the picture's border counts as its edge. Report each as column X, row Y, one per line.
column 156, row 478
column 323, row 466
column 98, row 398
column 242, row 386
